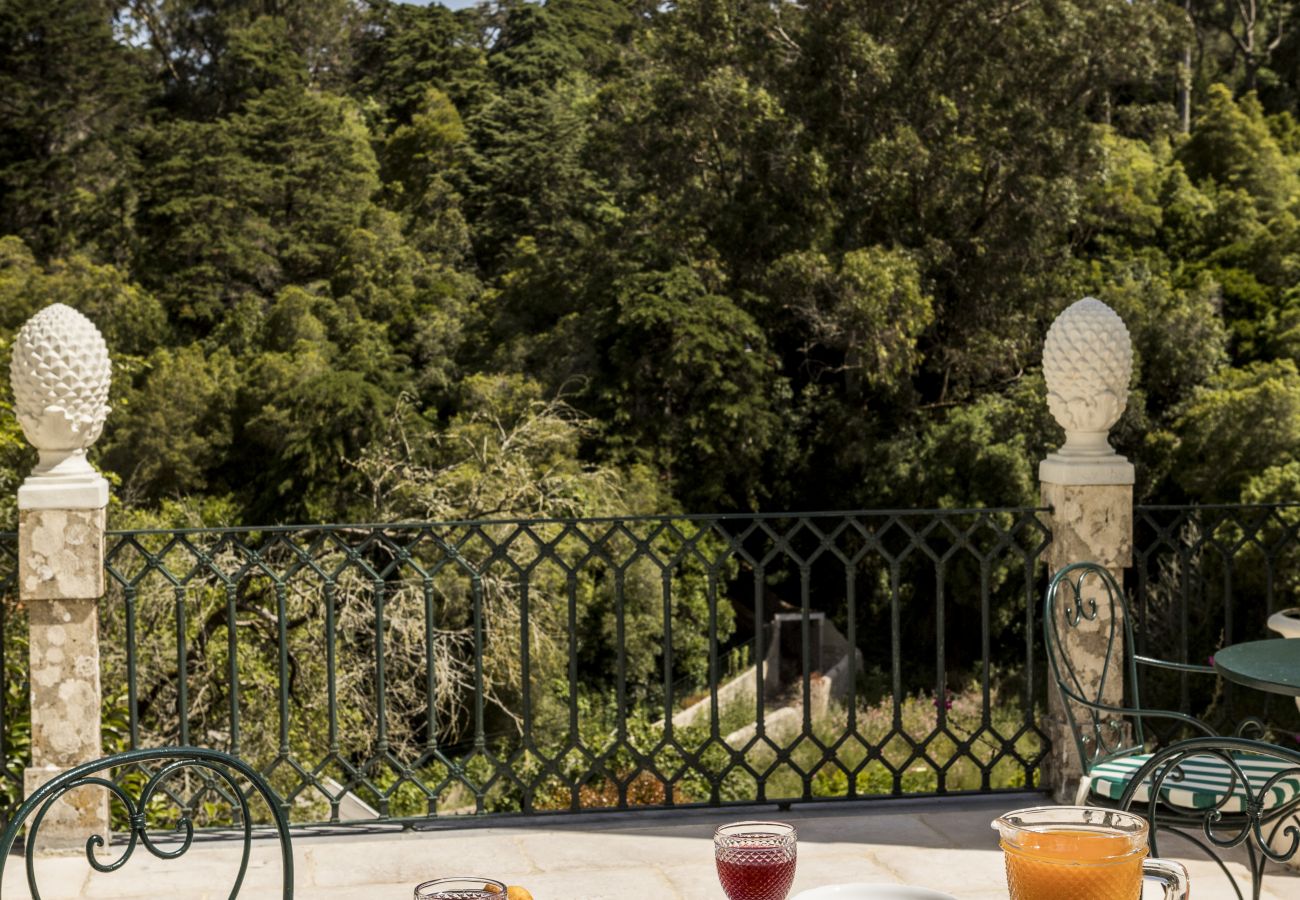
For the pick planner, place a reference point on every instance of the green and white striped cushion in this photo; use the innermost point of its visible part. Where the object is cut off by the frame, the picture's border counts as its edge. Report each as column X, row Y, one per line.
column 1205, row 782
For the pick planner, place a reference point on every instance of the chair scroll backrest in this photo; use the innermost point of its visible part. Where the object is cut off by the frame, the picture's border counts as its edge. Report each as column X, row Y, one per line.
column 1087, row 630
column 226, row 771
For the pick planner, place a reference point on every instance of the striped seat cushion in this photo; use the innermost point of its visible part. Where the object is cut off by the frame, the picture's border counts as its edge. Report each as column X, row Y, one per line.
column 1206, row 780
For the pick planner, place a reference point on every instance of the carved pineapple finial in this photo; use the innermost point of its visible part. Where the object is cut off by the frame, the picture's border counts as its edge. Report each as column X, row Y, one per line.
column 1087, row 364
column 60, row 372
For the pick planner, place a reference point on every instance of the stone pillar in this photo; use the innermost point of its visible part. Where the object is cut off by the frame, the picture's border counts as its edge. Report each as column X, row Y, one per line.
column 60, row 373
column 1087, row 363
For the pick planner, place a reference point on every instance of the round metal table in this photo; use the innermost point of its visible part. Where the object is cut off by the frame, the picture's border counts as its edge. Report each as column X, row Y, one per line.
column 1272, row 665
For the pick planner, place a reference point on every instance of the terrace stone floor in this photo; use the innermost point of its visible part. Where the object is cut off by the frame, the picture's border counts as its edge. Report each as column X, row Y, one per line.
column 944, row 844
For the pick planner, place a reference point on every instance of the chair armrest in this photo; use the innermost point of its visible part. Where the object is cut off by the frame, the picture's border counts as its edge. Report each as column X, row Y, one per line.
column 1176, row 716
column 1177, row 667
column 1139, row 713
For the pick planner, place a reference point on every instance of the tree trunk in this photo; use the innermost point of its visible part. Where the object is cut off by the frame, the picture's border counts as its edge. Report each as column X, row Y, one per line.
column 1184, row 101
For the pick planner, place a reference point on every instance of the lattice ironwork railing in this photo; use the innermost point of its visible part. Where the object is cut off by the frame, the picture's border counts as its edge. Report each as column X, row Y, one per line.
column 538, row 665
column 313, row 651
column 392, row 672
column 1205, row 577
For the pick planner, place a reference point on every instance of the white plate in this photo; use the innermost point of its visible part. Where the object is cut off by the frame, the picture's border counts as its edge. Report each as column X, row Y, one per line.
column 871, row 892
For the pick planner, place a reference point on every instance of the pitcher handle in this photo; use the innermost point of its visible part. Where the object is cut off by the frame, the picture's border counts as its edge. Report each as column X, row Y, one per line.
column 1169, row 873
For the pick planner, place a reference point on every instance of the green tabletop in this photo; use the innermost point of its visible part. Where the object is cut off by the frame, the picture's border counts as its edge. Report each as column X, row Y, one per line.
column 1272, row 666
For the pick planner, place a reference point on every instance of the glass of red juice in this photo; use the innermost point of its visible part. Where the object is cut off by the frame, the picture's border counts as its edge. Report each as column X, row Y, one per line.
column 755, row 859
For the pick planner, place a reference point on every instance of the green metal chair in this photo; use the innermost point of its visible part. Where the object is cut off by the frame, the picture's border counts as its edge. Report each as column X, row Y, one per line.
column 1231, row 790
column 1232, row 781
column 1103, row 732
column 225, row 772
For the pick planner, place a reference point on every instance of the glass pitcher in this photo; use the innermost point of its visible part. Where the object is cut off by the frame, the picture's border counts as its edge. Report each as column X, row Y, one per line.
column 1082, row 853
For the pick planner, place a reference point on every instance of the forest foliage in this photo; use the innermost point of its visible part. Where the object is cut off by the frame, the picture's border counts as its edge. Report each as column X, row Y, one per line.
column 360, row 261
column 718, row 254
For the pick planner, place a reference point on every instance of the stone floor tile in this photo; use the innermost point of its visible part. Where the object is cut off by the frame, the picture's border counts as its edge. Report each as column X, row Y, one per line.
column 575, row 851
column 947, row 869
column 909, row 830
column 623, row 884
column 946, row 845
column 338, row 862
column 59, row 877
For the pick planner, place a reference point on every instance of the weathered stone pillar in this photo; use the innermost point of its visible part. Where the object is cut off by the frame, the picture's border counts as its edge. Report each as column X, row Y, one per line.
column 60, row 373
column 1087, row 363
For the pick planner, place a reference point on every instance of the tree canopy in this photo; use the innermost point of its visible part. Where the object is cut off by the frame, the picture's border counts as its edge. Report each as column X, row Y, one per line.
column 706, row 255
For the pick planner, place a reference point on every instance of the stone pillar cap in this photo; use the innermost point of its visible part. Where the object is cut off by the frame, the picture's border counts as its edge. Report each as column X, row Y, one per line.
column 77, row 491
column 1071, row 470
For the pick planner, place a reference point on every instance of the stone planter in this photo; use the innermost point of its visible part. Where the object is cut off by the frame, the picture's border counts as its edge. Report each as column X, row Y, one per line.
column 1286, row 622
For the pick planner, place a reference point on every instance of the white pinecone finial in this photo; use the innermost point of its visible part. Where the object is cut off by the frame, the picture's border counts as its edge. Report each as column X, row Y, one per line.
column 60, row 372
column 1087, row 363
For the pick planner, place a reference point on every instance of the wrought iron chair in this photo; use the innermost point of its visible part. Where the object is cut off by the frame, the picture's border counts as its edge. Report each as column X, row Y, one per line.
column 1104, row 732
column 226, row 773
column 1234, row 791
column 1110, row 738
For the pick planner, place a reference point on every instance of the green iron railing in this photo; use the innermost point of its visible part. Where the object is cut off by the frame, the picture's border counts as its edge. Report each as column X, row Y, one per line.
column 398, row 671
column 557, row 654
column 1205, row 577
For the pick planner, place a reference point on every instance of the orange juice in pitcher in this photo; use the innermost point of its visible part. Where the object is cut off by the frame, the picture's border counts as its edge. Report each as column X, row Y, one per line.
column 1081, row 853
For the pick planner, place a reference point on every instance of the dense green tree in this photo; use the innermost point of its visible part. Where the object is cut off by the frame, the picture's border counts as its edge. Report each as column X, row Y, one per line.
column 70, row 93
column 204, row 242
column 867, row 311
column 302, row 411
column 363, row 259
column 403, row 50
column 211, row 55
column 247, row 204
column 695, row 385
column 962, row 131
column 14, row 457
column 782, row 255
column 1248, row 34
column 1237, row 428
column 131, row 320
column 418, row 159
column 173, row 428
column 1233, row 146
column 530, row 178
column 982, row 454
